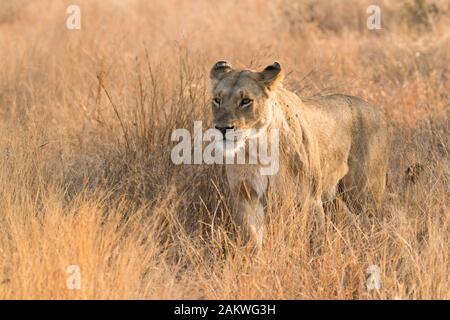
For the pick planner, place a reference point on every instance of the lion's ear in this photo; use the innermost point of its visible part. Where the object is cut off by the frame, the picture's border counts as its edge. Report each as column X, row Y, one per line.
column 272, row 75
column 219, row 69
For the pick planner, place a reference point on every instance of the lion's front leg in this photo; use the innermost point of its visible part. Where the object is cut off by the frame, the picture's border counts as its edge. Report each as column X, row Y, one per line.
column 251, row 218
column 249, row 190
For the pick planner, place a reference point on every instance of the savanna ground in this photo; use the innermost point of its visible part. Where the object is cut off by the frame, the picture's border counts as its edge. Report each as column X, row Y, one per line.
column 85, row 172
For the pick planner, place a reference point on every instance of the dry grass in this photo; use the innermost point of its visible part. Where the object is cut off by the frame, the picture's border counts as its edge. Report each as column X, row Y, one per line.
column 85, row 171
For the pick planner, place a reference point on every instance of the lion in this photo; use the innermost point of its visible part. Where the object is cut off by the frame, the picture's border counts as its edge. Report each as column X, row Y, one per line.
column 329, row 145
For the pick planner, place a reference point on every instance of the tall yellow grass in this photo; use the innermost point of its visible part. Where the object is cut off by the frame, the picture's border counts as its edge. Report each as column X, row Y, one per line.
column 85, row 171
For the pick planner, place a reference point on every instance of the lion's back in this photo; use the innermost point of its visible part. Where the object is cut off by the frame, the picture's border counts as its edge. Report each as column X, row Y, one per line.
column 349, row 128
column 350, row 112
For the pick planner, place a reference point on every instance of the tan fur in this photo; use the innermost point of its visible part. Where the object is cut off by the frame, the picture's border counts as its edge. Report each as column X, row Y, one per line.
column 328, row 144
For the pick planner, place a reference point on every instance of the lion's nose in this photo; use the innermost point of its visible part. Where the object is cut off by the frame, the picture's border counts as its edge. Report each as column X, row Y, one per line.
column 224, row 129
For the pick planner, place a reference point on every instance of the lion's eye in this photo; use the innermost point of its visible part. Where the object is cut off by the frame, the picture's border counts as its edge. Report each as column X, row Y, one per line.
column 216, row 102
column 246, row 102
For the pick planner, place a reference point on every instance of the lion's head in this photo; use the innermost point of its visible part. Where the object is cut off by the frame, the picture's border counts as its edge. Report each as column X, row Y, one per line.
column 242, row 102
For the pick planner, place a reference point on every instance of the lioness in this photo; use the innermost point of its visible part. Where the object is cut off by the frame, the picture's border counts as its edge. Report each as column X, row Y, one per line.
column 329, row 143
